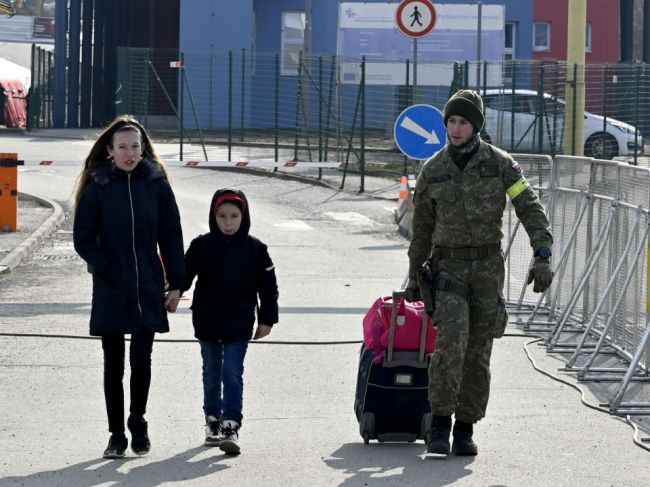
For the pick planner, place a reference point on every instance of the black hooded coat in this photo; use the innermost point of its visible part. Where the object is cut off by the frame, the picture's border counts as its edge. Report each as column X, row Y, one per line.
column 122, row 219
column 232, row 271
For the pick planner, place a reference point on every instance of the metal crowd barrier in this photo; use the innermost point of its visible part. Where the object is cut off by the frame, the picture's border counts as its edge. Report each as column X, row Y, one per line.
column 597, row 309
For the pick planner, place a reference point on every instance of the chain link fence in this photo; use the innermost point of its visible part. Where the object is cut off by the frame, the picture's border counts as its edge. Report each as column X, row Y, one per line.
column 329, row 108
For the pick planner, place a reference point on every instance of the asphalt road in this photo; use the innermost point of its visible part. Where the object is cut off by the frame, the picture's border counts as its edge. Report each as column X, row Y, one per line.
column 334, row 253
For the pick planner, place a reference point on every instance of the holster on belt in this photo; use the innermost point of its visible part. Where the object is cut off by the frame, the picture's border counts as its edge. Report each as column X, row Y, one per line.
column 427, row 275
column 429, row 282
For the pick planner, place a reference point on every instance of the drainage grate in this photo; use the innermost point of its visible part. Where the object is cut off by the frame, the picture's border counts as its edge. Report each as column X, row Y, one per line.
column 58, row 257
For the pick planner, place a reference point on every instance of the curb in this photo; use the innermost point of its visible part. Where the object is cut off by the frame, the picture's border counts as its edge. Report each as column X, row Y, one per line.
column 26, row 248
column 61, row 134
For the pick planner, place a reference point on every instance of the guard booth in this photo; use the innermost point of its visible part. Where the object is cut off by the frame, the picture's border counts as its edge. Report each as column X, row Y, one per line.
column 9, row 191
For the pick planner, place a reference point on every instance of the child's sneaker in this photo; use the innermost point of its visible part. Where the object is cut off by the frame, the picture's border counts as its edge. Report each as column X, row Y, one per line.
column 212, row 431
column 230, row 442
column 117, row 444
column 140, row 443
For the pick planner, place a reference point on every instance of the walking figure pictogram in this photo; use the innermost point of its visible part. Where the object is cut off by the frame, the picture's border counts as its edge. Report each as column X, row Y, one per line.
column 416, row 16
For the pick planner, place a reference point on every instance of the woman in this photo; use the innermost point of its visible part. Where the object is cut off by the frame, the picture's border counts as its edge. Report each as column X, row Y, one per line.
column 125, row 214
column 460, row 196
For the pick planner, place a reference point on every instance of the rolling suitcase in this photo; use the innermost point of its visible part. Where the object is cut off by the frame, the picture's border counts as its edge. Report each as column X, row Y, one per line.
column 391, row 402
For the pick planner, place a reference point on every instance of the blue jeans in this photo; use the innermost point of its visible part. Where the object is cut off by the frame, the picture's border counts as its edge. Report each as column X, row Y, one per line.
column 223, row 363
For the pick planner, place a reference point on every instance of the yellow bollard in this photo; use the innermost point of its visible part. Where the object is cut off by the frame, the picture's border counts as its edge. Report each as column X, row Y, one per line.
column 9, row 191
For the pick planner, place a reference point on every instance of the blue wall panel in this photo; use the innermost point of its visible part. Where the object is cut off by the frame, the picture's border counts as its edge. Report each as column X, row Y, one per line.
column 225, row 25
column 215, row 28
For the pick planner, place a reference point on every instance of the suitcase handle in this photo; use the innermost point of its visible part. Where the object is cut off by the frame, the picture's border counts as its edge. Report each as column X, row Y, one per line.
column 397, row 294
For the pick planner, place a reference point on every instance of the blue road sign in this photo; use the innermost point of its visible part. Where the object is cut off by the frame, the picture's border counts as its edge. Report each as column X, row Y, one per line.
column 420, row 131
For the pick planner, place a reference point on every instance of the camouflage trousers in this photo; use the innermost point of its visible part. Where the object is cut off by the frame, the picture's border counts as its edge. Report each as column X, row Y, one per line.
column 459, row 374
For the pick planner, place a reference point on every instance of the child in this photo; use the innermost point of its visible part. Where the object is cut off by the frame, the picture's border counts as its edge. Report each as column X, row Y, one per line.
column 233, row 269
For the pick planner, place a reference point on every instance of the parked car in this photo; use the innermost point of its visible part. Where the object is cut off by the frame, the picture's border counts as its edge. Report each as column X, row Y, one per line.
column 512, row 121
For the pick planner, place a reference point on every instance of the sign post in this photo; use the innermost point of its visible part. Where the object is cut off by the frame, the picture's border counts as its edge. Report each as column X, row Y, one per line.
column 414, row 18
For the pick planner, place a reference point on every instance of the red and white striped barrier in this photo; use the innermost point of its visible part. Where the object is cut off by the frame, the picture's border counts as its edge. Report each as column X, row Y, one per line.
column 178, row 163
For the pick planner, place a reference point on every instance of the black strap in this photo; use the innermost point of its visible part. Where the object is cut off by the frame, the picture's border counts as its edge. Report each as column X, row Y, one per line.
column 468, row 253
column 6, row 162
column 442, row 284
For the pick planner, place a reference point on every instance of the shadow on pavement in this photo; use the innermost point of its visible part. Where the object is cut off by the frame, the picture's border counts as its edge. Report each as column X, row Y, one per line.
column 121, row 472
column 396, row 464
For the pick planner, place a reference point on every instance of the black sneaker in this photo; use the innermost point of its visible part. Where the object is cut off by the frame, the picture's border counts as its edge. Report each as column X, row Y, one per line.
column 117, row 444
column 213, row 434
column 230, row 442
column 139, row 439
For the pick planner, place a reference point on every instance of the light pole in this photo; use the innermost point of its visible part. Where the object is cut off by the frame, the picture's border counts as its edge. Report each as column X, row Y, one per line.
column 479, row 8
column 574, row 122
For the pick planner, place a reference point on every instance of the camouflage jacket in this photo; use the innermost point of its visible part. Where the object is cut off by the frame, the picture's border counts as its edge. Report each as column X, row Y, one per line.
column 455, row 208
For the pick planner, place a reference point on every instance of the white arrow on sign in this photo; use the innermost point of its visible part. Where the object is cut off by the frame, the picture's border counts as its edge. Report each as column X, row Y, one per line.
column 409, row 124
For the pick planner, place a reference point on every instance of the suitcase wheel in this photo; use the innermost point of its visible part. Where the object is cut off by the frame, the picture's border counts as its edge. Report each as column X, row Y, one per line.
column 367, row 427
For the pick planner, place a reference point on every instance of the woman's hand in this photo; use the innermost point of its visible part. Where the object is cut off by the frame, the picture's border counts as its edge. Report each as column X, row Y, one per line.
column 171, row 300
column 262, row 331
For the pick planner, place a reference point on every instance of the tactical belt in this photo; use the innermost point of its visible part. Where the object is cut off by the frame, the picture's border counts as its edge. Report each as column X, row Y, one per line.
column 450, row 286
column 468, row 253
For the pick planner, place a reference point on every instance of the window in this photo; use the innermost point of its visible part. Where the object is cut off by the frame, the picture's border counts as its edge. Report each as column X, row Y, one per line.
column 293, row 39
column 588, row 37
column 506, row 102
column 541, row 36
column 509, row 48
column 511, row 29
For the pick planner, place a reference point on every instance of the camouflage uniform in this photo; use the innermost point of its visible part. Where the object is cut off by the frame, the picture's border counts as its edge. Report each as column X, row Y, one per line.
column 460, row 213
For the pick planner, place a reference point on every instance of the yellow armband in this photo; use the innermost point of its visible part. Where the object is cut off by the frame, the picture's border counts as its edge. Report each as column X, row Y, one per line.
column 514, row 190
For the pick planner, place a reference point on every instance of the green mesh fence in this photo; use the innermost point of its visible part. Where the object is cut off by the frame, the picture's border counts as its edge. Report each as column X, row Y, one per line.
column 325, row 108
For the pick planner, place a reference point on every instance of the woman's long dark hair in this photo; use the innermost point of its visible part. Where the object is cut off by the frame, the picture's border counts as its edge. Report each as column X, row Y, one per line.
column 98, row 154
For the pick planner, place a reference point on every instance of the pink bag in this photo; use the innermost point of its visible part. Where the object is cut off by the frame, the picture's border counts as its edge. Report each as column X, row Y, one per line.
column 408, row 326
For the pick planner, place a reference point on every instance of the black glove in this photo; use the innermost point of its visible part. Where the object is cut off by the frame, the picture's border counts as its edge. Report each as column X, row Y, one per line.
column 412, row 291
column 542, row 274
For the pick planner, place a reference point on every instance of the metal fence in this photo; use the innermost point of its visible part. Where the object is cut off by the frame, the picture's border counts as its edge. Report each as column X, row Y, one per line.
column 525, row 106
column 39, row 98
column 323, row 107
column 597, row 310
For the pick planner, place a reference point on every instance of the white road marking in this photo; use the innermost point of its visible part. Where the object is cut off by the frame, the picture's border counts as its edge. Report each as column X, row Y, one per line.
column 351, row 217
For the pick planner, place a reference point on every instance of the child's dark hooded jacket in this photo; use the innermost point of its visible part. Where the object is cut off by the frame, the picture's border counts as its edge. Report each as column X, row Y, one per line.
column 232, row 271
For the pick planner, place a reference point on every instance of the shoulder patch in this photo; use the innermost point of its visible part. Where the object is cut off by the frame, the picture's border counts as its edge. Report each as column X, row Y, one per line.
column 515, row 165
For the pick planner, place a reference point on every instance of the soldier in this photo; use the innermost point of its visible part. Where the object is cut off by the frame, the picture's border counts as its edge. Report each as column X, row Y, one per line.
column 460, row 197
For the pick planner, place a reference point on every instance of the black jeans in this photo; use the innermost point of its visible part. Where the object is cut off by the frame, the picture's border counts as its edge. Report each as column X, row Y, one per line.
column 140, row 360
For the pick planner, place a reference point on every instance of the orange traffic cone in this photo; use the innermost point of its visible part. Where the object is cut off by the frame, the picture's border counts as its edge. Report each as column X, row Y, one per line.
column 403, row 189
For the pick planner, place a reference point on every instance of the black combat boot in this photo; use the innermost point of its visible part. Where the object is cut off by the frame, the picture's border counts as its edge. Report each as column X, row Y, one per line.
column 463, row 444
column 438, row 438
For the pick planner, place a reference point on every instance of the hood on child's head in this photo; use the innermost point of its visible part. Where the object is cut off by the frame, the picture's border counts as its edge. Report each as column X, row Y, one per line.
column 237, row 197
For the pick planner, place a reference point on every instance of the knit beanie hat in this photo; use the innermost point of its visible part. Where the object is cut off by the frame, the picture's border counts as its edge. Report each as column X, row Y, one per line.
column 230, row 197
column 469, row 105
